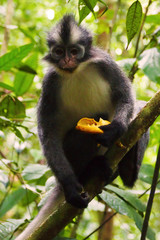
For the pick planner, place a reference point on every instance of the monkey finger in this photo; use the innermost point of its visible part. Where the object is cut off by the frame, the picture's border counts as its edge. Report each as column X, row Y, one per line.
column 105, row 127
column 106, row 139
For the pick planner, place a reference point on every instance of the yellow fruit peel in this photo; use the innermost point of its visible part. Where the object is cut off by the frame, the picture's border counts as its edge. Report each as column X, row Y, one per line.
column 90, row 125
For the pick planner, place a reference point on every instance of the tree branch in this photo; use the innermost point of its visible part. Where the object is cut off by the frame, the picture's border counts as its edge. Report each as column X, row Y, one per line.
column 56, row 213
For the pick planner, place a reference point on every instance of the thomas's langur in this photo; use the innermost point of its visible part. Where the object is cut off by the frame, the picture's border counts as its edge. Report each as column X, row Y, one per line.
column 83, row 81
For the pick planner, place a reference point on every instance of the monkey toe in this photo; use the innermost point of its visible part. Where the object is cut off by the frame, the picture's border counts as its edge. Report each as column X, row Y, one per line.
column 79, row 200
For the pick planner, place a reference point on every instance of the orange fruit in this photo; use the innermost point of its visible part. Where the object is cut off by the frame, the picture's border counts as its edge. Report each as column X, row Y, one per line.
column 90, row 125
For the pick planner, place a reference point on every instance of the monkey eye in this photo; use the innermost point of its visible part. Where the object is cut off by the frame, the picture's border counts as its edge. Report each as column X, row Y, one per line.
column 59, row 51
column 74, row 51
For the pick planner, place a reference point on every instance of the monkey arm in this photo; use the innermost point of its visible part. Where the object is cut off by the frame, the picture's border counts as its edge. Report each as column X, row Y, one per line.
column 122, row 98
column 51, row 133
column 53, row 151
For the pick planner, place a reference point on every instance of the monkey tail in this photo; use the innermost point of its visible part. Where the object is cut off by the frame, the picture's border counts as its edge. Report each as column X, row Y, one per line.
column 130, row 164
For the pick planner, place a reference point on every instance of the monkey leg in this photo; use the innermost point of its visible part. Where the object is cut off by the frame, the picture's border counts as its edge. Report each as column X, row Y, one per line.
column 97, row 167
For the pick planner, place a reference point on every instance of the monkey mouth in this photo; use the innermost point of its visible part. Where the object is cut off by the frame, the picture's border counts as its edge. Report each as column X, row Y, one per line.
column 69, row 70
column 69, row 66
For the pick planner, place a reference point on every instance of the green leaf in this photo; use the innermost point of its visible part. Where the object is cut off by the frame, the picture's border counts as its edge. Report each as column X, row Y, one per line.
column 22, row 83
column 157, row 32
column 32, row 61
column 45, row 198
column 116, row 203
column 105, row 10
column 129, row 197
column 23, row 80
column 133, row 22
column 11, row 200
column 50, row 183
column 7, row 228
column 27, row 33
column 26, row 69
column 6, row 86
column 5, row 122
column 139, row 223
column 31, row 195
column 11, row 107
column 85, row 7
column 4, row 178
column 34, row 171
column 153, row 19
column 18, row 133
column 146, row 173
column 89, row 5
column 150, row 64
column 126, row 64
column 37, row 154
column 125, row 209
column 11, row 59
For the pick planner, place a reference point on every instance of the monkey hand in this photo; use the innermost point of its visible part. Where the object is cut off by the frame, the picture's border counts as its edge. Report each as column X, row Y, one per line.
column 75, row 195
column 111, row 133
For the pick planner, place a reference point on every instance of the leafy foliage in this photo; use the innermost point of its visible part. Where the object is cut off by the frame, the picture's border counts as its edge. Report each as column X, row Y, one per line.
column 34, row 171
column 133, row 21
column 9, row 227
column 11, row 200
column 123, row 208
column 11, row 107
column 87, row 6
column 150, row 63
column 11, row 59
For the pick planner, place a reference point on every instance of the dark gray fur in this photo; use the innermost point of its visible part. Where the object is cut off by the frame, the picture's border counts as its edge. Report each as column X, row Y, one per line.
column 72, row 155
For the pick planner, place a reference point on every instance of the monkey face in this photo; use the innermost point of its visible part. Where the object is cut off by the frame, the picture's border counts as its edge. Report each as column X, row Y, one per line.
column 67, row 58
column 69, row 45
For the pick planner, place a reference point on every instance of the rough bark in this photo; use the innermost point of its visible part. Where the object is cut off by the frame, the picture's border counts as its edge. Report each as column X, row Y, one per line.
column 56, row 213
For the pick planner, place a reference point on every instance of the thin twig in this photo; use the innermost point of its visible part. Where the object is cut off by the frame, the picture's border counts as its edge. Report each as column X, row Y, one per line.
column 9, row 13
column 151, row 197
column 2, row 154
column 76, row 225
column 7, row 193
column 112, row 24
column 140, row 31
column 147, row 190
column 107, row 220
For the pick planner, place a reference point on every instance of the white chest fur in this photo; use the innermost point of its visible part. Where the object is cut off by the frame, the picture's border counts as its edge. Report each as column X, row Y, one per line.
column 85, row 93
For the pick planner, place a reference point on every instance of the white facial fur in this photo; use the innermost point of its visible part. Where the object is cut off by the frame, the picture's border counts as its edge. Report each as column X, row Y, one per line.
column 56, row 35
column 75, row 33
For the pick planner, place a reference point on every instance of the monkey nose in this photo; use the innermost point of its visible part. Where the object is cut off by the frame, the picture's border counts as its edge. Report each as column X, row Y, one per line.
column 67, row 59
